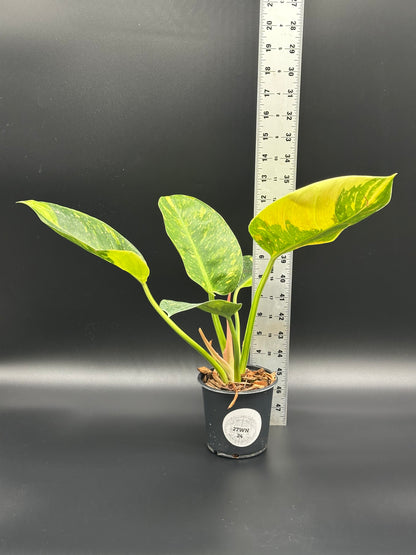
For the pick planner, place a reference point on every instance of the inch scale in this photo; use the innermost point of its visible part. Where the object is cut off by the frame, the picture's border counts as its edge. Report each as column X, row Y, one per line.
column 278, row 93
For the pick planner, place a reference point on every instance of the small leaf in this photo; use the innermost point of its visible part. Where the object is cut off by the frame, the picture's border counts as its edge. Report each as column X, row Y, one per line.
column 209, row 249
column 319, row 212
column 218, row 307
column 223, row 363
column 246, row 279
column 93, row 235
column 228, row 351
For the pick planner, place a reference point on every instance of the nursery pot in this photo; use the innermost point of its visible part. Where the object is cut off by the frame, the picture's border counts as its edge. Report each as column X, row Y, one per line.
column 241, row 431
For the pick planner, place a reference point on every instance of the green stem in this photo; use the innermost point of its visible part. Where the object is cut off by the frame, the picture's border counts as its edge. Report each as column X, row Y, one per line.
column 237, row 319
column 252, row 314
column 184, row 335
column 217, row 326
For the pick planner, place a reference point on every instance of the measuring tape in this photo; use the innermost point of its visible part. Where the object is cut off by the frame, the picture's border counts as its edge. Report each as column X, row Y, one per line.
column 278, row 93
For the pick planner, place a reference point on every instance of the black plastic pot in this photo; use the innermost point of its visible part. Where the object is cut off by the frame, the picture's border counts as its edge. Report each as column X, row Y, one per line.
column 243, row 430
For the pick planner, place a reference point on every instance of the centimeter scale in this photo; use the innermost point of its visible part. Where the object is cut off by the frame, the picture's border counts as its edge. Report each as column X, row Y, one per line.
column 278, row 92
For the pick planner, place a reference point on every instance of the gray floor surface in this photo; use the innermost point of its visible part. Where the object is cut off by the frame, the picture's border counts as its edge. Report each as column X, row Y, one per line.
column 92, row 468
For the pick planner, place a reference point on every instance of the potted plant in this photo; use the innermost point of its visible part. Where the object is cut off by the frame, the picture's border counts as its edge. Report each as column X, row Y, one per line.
column 237, row 397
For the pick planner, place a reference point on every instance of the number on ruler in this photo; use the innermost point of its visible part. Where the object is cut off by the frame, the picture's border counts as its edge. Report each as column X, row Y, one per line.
column 276, row 140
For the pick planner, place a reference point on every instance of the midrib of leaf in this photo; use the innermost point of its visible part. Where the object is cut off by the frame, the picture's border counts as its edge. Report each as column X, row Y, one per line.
column 199, row 259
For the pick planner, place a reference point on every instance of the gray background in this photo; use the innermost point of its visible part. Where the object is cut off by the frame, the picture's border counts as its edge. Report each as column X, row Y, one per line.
column 105, row 106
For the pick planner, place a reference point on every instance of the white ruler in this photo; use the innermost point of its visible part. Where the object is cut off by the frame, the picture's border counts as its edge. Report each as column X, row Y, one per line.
column 278, row 93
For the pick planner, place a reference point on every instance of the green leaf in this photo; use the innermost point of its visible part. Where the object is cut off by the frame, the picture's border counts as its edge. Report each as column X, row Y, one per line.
column 319, row 212
column 93, row 235
column 218, row 307
column 246, row 279
column 209, row 249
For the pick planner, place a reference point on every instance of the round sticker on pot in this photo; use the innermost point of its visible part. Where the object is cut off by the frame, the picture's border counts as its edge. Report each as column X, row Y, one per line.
column 242, row 427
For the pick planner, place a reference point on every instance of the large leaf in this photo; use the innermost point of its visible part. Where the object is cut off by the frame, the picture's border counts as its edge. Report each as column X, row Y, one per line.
column 319, row 212
column 93, row 235
column 209, row 249
column 218, row 307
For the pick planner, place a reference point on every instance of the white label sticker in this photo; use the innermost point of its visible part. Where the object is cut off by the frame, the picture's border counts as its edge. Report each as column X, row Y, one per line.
column 242, row 427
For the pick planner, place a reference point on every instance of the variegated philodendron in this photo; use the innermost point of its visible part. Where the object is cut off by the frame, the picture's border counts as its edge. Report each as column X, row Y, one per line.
column 212, row 256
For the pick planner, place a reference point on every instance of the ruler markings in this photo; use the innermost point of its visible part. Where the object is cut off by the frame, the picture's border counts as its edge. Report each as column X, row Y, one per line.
column 278, row 91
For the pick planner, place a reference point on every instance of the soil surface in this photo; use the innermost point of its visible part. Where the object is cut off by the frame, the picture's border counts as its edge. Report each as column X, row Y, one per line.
column 251, row 379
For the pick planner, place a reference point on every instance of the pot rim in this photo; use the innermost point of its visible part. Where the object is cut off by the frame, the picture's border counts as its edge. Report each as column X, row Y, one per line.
column 249, row 392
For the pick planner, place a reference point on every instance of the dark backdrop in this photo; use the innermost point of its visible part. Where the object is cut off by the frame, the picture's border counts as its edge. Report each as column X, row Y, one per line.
column 105, row 106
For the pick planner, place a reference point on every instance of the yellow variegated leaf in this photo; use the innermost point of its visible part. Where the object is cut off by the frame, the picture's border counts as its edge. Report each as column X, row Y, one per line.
column 93, row 235
column 208, row 248
column 319, row 212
